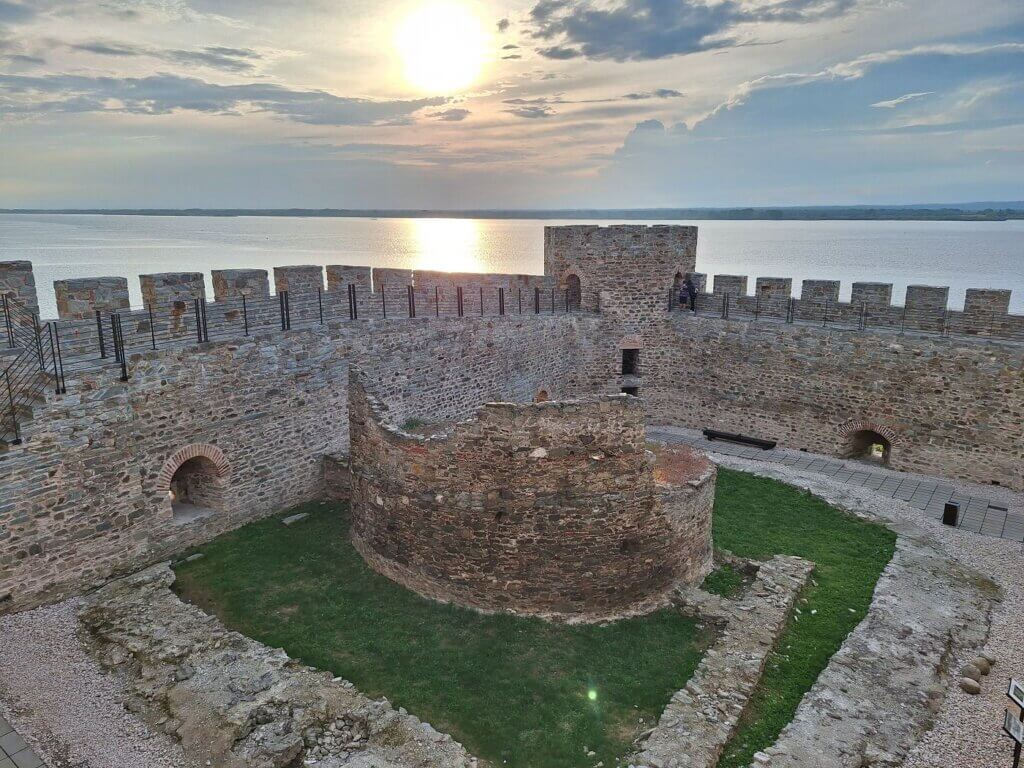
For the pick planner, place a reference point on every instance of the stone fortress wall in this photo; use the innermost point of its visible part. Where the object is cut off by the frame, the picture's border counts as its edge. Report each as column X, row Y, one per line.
column 944, row 389
column 86, row 495
column 548, row 507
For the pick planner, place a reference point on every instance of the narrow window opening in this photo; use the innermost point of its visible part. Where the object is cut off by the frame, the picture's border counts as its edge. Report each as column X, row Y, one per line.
column 631, row 362
column 634, row 391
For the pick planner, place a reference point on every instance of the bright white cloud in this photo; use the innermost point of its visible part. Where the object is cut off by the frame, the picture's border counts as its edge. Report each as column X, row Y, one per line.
column 900, row 100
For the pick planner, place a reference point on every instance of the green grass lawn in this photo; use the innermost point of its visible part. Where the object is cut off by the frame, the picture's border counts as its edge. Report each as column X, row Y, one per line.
column 726, row 581
column 757, row 518
column 517, row 691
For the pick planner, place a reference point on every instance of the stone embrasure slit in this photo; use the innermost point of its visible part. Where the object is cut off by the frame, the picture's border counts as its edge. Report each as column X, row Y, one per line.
column 701, row 718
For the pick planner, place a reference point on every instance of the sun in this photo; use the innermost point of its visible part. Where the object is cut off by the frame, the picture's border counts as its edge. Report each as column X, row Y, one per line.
column 443, row 47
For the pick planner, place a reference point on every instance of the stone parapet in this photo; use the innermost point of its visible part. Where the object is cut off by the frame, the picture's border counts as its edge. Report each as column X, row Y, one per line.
column 820, row 291
column 872, row 294
column 18, row 281
column 159, row 290
column 299, row 279
column 339, row 276
column 79, row 298
column 233, row 283
column 774, row 287
column 731, row 285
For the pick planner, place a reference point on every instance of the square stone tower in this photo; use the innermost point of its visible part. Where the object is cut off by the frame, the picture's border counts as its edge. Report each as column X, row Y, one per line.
column 626, row 271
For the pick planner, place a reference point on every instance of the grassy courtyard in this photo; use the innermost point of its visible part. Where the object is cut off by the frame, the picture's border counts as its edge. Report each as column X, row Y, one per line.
column 516, row 691
column 521, row 692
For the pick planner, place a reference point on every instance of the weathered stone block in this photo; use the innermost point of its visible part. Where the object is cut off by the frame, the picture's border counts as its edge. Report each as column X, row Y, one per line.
column 987, row 301
column 874, row 295
column 733, row 285
column 339, row 276
column 299, row 279
column 79, row 298
column 820, row 291
column 159, row 290
column 18, row 281
column 232, row 283
column 773, row 287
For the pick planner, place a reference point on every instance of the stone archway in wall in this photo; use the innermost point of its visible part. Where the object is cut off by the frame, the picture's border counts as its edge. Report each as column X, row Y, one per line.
column 867, row 441
column 194, row 482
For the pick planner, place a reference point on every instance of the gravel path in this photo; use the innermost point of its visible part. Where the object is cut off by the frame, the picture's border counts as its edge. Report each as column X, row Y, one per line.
column 967, row 731
column 61, row 701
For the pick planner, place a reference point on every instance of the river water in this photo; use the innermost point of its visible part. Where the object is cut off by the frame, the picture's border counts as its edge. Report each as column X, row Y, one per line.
column 958, row 254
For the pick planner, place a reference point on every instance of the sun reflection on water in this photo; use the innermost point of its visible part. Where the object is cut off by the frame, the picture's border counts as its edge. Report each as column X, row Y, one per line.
column 448, row 245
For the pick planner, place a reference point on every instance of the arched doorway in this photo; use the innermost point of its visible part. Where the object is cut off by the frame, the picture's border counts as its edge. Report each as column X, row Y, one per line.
column 541, row 396
column 194, row 481
column 868, row 445
column 573, row 293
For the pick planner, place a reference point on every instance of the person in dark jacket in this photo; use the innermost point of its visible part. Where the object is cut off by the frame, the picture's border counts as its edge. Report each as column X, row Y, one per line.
column 688, row 295
column 684, row 296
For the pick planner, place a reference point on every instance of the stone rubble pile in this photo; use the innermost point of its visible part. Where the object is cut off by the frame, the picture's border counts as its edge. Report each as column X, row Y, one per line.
column 238, row 704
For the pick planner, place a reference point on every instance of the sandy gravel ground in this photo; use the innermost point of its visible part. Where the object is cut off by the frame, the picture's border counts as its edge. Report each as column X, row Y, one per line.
column 63, row 703
column 967, row 732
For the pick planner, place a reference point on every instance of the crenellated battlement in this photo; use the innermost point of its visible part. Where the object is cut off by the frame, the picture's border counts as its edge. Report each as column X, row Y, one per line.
column 925, row 308
column 81, row 298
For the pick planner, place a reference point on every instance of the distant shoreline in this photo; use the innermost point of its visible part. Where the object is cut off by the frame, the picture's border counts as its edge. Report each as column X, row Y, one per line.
column 968, row 212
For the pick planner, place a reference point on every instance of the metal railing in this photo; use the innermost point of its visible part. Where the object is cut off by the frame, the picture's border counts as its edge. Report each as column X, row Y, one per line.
column 860, row 316
column 31, row 362
column 52, row 352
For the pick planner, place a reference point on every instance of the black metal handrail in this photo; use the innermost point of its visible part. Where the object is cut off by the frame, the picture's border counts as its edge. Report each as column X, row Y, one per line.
column 857, row 316
column 36, row 364
column 71, row 347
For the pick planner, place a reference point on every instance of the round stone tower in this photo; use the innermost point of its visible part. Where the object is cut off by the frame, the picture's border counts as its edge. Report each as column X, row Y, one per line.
column 552, row 508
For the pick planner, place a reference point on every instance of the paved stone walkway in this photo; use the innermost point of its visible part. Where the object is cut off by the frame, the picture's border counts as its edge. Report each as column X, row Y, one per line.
column 14, row 751
column 977, row 514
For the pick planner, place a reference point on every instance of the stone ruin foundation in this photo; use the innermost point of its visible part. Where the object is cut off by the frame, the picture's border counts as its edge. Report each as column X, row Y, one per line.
column 548, row 508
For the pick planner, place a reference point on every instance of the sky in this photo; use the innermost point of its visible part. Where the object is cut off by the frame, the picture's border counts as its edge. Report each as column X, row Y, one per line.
column 508, row 104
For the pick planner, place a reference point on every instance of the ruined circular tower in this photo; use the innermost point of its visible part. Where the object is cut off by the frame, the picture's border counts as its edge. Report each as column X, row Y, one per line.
column 553, row 508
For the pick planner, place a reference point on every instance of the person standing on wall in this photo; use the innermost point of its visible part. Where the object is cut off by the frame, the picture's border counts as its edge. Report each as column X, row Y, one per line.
column 688, row 295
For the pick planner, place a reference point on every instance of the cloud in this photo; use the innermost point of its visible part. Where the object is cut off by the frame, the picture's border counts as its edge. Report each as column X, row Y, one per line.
column 216, row 57
column 892, row 103
column 166, row 93
column 503, row 25
column 636, row 30
column 856, row 68
column 108, row 49
column 453, row 115
column 213, row 56
column 14, row 12
column 510, row 47
column 559, row 52
column 657, row 93
column 532, row 111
